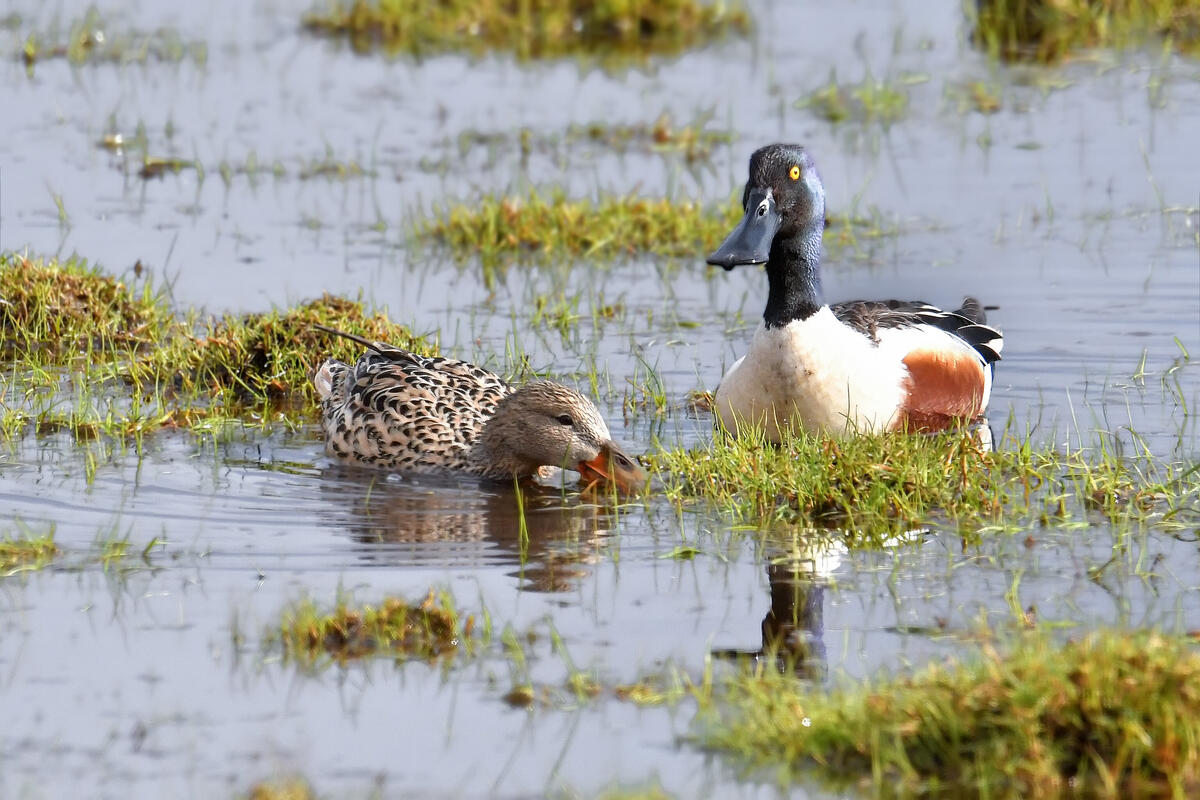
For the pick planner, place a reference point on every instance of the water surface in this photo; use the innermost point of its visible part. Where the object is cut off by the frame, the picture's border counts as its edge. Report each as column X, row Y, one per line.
column 1073, row 210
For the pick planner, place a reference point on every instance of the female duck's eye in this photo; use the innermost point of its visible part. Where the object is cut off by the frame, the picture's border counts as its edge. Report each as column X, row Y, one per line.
column 794, row 174
column 565, row 419
column 623, row 462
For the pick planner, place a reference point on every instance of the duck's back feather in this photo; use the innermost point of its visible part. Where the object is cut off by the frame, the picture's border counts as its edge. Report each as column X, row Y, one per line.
column 397, row 409
column 871, row 317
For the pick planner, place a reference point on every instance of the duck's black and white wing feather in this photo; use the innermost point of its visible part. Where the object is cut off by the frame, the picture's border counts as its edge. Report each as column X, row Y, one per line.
column 873, row 318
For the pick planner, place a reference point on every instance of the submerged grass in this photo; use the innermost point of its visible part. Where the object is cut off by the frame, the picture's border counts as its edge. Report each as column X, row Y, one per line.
column 874, row 486
column 95, row 39
column 530, row 28
column 869, row 101
column 1049, row 30
column 693, row 140
column 1114, row 714
column 426, row 631
column 26, row 553
column 281, row 789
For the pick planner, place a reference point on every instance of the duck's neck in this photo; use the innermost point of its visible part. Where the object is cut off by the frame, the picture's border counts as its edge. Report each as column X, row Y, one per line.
column 495, row 463
column 493, row 456
column 794, row 277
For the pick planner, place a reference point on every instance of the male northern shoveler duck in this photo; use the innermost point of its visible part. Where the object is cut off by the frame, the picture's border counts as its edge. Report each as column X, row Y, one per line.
column 410, row 413
column 860, row 366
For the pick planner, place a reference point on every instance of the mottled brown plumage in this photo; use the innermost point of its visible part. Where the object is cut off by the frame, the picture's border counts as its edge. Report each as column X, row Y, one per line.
column 410, row 413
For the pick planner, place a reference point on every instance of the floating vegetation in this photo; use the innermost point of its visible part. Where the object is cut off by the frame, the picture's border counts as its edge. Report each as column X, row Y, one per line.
column 155, row 167
column 649, row 792
column 427, row 631
column 26, row 553
column 330, row 167
column 531, row 28
column 148, row 167
column 281, row 789
column 551, row 225
column 1114, row 714
column 581, row 687
column 975, row 96
column 874, row 486
column 92, row 40
column 693, row 140
column 1049, row 30
column 869, row 101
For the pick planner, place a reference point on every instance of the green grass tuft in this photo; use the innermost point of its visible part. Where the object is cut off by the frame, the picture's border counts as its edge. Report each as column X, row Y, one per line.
column 552, row 225
column 52, row 311
column 530, row 28
column 1049, row 30
column 427, row 631
column 254, row 362
column 1114, row 715
column 874, row 486
column 135, row 366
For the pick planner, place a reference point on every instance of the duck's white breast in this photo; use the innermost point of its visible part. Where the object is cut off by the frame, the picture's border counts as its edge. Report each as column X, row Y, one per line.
column 817, row 374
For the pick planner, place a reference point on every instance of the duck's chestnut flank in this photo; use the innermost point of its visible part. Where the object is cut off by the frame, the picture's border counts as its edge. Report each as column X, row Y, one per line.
column 858, row 366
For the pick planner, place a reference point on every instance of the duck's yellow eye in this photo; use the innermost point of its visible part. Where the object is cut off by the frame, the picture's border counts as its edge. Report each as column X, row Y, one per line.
column 795, row 172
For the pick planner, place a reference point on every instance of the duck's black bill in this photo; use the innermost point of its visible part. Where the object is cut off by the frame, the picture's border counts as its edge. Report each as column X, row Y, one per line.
column 750, row 242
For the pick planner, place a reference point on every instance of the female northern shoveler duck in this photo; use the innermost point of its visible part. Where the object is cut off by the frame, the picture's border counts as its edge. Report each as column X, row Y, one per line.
column 860, row 366
column 410, row 413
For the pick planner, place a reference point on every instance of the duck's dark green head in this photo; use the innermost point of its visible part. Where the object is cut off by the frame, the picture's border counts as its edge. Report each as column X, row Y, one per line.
column 783, row 198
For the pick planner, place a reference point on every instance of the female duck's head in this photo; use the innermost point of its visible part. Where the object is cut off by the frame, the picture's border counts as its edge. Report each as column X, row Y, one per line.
column 547, row 424
column 784, row 203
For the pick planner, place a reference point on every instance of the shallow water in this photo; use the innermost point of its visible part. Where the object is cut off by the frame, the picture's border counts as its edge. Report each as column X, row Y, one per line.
column 1078, row 221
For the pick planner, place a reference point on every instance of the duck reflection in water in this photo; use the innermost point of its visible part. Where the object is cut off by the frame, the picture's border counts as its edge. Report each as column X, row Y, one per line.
column 793, row 630
column 551, row 536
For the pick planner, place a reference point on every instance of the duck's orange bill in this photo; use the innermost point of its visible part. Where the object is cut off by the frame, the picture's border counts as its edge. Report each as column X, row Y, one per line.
column 607, row 468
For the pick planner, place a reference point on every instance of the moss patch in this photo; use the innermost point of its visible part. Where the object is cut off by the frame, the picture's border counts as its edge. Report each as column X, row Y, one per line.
column 257, row 360
column 1049, row 30
column 51, row 311
column 135, row 366
column 530, row 28
column 1113, row 714
column 426, row 631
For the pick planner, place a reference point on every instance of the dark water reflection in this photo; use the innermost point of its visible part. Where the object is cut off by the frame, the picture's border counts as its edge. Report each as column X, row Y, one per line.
column 793, row 629
column 551, row 534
